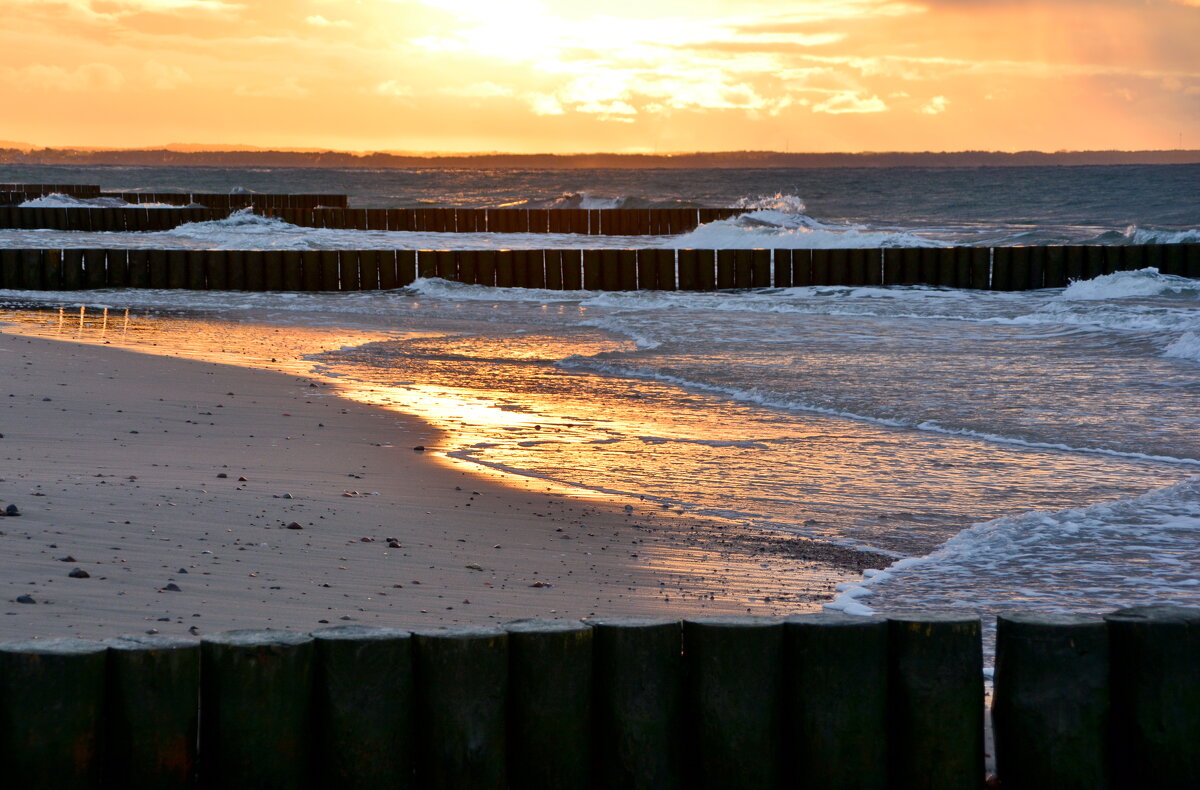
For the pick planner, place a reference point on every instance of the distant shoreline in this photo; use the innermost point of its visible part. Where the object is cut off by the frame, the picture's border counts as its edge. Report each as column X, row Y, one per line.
column 176, row 157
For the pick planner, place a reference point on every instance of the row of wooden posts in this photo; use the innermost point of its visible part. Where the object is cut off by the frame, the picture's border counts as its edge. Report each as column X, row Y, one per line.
column 28, row 191
column 593, row 222
column 813, row 701
column 16, row 194
column 998, row 268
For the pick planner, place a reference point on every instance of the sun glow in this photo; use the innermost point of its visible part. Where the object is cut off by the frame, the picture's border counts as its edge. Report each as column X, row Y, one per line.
column 551, row 75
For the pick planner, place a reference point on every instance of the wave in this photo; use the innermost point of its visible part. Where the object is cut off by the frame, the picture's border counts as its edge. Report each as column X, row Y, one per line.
column 59, row 200
column 1124, row 285
column 1095, row 558
column 1135, row 235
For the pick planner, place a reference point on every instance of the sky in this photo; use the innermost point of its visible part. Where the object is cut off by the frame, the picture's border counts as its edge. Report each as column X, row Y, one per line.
column 561, row 76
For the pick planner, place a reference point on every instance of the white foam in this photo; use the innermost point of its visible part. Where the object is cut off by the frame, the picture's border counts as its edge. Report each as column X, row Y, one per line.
column 1125, row 285
column 1138, row 235
column 1187, row 346
column 58, row 200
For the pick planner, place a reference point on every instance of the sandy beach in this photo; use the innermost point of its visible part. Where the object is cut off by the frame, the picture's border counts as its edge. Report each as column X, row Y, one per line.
column 176, row 495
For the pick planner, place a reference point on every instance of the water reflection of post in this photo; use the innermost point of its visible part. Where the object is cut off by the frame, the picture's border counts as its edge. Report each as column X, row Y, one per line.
column 61, row 319
column 104, row 324
column 79, row 333
column 125, row 326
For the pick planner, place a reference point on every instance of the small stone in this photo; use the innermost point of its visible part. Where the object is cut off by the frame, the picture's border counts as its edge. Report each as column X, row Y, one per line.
column 172, row 587
column 67, row 558
column 25, row 599
column 285, row 496
column 243, row 480
column 295, row 525
column 393, row 544
column 541, row 584
column 194, row 631
column 182, row 570
column 474, row 566
column 420, row 448
column 152, row 631
column 12, row 511
column 79, row 573
column 221, row 475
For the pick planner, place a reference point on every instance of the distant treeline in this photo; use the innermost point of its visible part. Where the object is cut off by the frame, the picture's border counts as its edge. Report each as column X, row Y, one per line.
column 728, row 159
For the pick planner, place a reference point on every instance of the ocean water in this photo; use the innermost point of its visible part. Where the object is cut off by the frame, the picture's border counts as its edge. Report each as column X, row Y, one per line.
column 1035, row 450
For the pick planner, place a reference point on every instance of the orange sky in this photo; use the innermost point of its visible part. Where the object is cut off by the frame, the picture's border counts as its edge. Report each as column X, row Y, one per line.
column 622, row 75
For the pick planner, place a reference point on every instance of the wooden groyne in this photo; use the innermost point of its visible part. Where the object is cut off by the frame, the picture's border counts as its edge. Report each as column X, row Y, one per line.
column 981, row 268
column 811, row 701
column 326, row 212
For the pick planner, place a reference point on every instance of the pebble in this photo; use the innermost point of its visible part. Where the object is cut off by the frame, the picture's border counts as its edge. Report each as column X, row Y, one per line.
column 25, row 599
column 12, row 511
column 172, row 587
column 295, row 525
column 79, row 573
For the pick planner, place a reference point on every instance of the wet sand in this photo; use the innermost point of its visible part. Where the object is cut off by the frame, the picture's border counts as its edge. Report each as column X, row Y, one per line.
column 181, row 495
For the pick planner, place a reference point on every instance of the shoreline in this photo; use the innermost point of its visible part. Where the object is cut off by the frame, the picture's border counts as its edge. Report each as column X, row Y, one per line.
column 119, row 471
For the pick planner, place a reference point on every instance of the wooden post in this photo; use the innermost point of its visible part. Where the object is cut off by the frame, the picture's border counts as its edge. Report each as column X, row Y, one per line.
column 539, row 220
column 760, row 269
column 1056, row 267
column 665, row 277
column 549, row 704
column 95, row 268
column 572, row 270
column 726, row 270
column 1113, row 258
column 706, row 270
column 310, row 270
column 929, row 266
column 468, row 266
column 835, row 701
column 293, row 271
column 462, row 679
column 554, row 264
column 256, row 270
column 348, row 270
column 447, row 265
column 591, row 270
column 1093, row 262
column 487, row 268
column 235, row 269
column 272, row 263
column 647, row 269
column 1155, row 696
column 743, row 268
column 1192, row 261
column 365, row 707
column 157, row 266
column 839, row 267
column 820, row 267
column 51, row 713
column 505, row 269
column 387, row 270
column 947, row 267
column 31, row 270
column 152, row 712
column 935, row 690
column 627, row 270
column 52, row 270
column 535, row 268
column 1075, row 262
column 610, row 270
column 1050, row 708
column 1133, row 257
column 802, row 271
column 1002, row 269
column 406, row 267
column 860, row 263
column 981, row 268
column 893, row 266
column 638, row 696
column 195, row 279
column 734, row 698
column 783, row 268
column 216, row 269
column 256, row 697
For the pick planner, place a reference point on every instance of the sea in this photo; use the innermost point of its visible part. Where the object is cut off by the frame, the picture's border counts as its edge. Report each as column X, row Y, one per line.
column 1036, row 450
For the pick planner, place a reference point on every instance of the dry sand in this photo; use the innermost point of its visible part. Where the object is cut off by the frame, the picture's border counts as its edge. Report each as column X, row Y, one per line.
column 172, row 483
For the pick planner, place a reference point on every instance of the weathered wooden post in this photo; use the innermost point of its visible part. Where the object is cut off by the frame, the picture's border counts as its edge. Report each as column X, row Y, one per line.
column 726, row 270
column 638, row 701
column 194, row 279
column 95, row 264
column 51, row 713
column 462, row 682
column 365, row 708
column 1050, row 708
column 293, row 271
column 1155, row 690
column 256, row 702
column 487, row 268
column 627, row 277
column 406, row 267
column 572, row 270
column 152, row 712
column 893, row 266
column 734, row 693
column 935, row 690
column 820, row 267
column 782, row 264
column 836, row 702
column 549, row 704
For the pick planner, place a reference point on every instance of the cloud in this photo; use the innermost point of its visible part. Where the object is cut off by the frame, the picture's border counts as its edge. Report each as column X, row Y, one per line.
column 849, row 102
column 393, row 88
column 165, row 77
column 936, row 106
column 88, row 77
column 316, row 20
column 480, row 90
column 290, row 88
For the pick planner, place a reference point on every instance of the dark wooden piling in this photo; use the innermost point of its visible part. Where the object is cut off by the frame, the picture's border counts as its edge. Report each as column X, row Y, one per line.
column 910, row 265
column 572, row 270
column 665, row 279
column 535, row 268
column 272, row 267
column 95, row 268
column 1050, row 708
column 1155, row 696
column 310, row 270
column 293, row 270
column 1133, row 257
column 447, row 265
column 893, row 266
column 331, row 277
column 1075, row 262
column 627, row 270
column 10, row 269
column 839, row 267
column 802, row 271
column 689, row 270
column 835, row 702
column 196, row 264
column 554, row 268
column 935, row 690
column 760, row 265
column 734, row 692
column 51, row 713
column 349, row 275
column 820, row 260
column 462, row 681
column 1114, row 258
column 858, row 263
column 726, row 270
column 486, row 268
column 782, row 264
column 549, row 704
column 406, row 267
column 743, row 268
column 647, row 270
column 610, row 270
column 152, row 712
column 365, row 703
column 638, row 698
column 945, row 267
column 981, row 268
column 1093, row 262
column 929, row 265
column 235, row 269
column 256, row 694
column 157, row 267
column 386, row 260
column 255, row 264
column 874, row 266
column 52, row 269
column 706, row 270
column 1002, row 269
column 216, row 270
column 1191, row 261
column 31, row 275
column 1056, row 267
column 468, row 266
column 505, row 268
